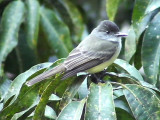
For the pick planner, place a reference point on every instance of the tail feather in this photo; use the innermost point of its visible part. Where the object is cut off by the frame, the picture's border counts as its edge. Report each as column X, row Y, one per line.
column 46, row 75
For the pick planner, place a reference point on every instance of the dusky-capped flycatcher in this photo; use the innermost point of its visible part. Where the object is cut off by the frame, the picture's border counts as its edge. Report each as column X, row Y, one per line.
column 97, row 51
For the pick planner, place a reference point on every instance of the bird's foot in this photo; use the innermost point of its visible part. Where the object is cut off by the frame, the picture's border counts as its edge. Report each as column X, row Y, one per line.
column 98, row 77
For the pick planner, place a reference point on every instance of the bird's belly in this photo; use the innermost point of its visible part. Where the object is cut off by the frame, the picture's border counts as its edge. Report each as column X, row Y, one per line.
column 102, row 66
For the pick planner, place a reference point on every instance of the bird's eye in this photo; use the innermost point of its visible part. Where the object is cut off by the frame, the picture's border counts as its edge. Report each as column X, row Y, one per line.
column 107, row 32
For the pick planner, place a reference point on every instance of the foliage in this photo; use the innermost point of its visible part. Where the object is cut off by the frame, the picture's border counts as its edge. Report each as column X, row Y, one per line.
column 33, row 31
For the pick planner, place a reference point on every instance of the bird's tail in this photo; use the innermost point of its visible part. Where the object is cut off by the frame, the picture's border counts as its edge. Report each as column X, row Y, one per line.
column 46, row 75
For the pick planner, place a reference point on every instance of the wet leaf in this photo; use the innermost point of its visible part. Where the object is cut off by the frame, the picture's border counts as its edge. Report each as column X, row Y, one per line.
column 16, row 85
column 140, row 21
column 40, row 109
column 71, row 91
column 10, row 23
column 54, row 97
column 83, row 90
column 4, row 86
column 151, row 50
column 50, row 113
column 72, row 111
column 129, row 68
column 72, row 17
column 100, row 104
column 140, row 99
column 32, row 23
column 26, row 98
column 56, row 33
column 154, row 116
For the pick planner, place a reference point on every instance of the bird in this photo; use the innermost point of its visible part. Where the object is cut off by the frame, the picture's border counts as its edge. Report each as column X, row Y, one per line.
column 93, row 54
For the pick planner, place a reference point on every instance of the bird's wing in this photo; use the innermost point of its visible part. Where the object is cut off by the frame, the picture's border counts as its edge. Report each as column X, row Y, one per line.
column 79, row 61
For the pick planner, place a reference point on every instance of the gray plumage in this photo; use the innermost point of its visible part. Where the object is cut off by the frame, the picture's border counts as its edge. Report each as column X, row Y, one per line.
column 97, row 48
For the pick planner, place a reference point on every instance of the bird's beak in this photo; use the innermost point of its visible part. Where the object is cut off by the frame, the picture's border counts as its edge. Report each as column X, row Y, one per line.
column 120, row 34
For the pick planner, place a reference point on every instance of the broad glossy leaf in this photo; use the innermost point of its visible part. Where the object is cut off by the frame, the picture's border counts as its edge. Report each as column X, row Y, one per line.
column 154, row 4
column 112, row 7
column 50, row 113
column 123, row 78
column 139, row 9
column 83, row 90
column 71, row 91
column 134, row 34
column 142, row 101
column 26, row 98
column 134, row 74
column 72, row 111
column 10, row 23
column 18, row 115
column 26, row 51
column 16, row 85
column 32, row 23
column 121, row 103
column 129, row 68
column 76, row 19
column 47, row 90
column 72, row 17
column 151, row 50
column 4, row 86
column 54, row 97
column 140, row 20
column 154, row 116
column 56, row 33
column 100, row 104
column 40, row 109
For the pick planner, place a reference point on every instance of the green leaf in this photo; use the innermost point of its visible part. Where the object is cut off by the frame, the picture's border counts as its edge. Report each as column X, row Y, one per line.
column 123, row 78
column 50, row 113
column 32, row 23
column 137, row 56
column 112, row 7
column 18, row 115
column 70, row 92
column 129, row 69
column 16, row 85
column 139, row 9
column 154, row 4
column 100, row 104
column 40, row 109
column 155, row 116
column 72, row 111
column 123, row 115
column 121, row 102
column 134, row 34
column 83, row 90
column 142, row 101
column 26, row 51
column 151, row 50
column 140, row 20
column 54, row 97
column 10, row 23
column 26, row 98
column 56, row 33
column 4, row 86
column 76, row 18
column 71, row 16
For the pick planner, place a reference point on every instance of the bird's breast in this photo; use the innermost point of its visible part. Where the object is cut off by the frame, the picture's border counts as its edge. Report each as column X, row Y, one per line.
column 105, row 64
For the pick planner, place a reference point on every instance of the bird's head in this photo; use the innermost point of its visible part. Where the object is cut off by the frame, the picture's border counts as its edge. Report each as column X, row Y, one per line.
column 108, row 30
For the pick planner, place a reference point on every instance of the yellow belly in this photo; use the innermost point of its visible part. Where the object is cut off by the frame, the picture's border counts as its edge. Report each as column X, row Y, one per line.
column 102, row 66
